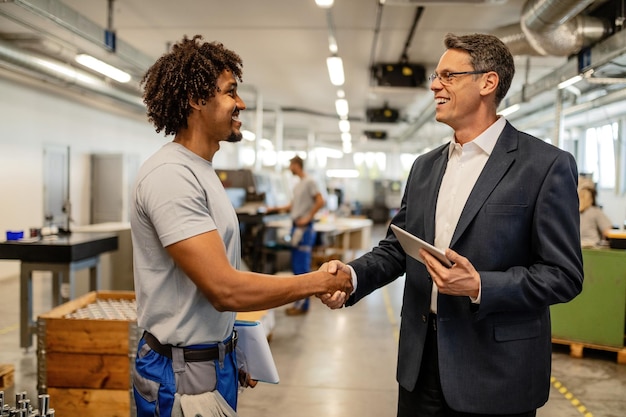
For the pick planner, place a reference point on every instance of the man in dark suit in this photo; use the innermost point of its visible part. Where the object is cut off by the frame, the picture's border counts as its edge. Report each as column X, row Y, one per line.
column 475, row 338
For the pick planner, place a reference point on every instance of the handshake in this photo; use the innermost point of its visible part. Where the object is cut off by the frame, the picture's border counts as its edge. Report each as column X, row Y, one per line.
column 339, row 286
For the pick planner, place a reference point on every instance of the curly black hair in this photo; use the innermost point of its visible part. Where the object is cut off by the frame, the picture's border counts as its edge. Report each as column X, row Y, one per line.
column 189, row 71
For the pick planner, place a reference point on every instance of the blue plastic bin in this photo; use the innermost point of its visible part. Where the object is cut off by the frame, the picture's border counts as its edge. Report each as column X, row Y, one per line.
column 15, row 235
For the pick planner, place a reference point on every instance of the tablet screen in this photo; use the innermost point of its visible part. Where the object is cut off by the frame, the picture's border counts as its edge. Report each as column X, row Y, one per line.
column 412, row 244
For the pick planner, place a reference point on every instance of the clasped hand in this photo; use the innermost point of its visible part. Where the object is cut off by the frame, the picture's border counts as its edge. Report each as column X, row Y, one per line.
column 338, row 298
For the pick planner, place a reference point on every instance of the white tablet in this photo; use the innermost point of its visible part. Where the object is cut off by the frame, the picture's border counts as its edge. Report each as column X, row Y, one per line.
column 412, row 244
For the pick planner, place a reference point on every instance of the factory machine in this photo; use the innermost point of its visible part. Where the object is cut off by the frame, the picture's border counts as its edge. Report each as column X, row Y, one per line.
column 250, row 193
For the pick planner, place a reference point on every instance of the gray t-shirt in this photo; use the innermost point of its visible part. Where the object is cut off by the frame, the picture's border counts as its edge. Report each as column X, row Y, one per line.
column 178, row 195
column 304, row 193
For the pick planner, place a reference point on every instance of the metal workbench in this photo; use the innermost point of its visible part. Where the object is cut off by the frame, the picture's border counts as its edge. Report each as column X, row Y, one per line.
column 62, row 255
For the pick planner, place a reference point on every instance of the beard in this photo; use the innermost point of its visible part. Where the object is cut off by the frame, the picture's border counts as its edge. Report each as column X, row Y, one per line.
column 234, row 137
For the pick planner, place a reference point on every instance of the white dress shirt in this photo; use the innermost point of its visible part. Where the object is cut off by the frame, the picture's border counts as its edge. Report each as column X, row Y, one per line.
column 465, row 163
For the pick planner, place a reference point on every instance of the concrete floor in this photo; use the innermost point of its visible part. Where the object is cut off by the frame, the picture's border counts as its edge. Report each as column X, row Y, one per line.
column 342, row 363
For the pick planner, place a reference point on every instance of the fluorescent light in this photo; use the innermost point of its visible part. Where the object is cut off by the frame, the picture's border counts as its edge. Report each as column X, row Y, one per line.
column 324, row 4
column 329, row 152
column 341, row 105
column 266, row 144
column 103, row 68
column 67, row 71
column 342, row 173
column 509, row 110
column 346, row 137
column 332, row 45
column 335, row 70
column 344, row 126
column 248, row 135
column 570, row 81
column 573, row 90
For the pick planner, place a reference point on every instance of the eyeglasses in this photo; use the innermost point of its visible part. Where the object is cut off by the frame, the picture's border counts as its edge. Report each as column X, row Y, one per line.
column 447, row 77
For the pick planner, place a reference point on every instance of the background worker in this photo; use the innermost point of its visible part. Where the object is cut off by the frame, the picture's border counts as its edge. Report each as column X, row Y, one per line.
column 594, row 223
column 186, row 240
column 306, row 201
column 475, row 338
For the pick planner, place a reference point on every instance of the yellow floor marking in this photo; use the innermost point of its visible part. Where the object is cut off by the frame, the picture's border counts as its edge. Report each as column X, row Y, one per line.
column 569, row 396
column 10, row 328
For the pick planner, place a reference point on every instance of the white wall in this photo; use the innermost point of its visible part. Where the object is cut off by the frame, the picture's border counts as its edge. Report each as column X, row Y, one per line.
column 613, row 206
column 33, row 117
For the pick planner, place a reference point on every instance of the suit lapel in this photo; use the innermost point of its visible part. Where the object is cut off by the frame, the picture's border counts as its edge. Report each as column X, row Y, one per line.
column 439, row 167
column 501, row 158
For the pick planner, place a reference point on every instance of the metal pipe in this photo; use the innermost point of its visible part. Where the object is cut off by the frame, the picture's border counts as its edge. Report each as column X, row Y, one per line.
column 63, row 74
column 552, row 27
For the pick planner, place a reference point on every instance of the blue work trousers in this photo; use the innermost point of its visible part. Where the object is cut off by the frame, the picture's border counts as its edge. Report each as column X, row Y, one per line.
column 157, row 378
column 302, row 254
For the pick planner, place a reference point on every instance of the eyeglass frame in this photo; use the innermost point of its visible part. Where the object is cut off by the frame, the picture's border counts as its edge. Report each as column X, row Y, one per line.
column 449, row 74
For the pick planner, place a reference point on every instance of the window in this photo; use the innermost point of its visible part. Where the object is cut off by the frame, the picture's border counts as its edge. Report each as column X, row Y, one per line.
column 599, row 154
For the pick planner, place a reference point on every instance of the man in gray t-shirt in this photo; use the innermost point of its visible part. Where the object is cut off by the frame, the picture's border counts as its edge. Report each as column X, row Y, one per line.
column 305, row 203
column 186, row 241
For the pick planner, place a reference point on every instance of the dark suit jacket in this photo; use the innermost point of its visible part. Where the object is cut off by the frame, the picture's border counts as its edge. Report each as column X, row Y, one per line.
column 520, row 230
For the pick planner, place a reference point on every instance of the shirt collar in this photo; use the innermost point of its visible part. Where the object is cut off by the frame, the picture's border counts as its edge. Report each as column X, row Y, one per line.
column 486, row 140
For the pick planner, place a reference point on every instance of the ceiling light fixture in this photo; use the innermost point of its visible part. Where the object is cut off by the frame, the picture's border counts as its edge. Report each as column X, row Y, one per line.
column 329, row 152
column 570, row 81
column 248, row 135
column 344, row 126
column 324, row 4
column 103, row 68
column 335, row 70
column 341, row 105
column 342, row 173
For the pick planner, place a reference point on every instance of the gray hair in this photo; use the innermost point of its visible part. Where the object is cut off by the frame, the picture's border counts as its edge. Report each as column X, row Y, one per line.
column 487, row 53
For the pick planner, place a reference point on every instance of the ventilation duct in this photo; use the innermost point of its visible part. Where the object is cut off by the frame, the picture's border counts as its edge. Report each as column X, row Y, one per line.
column 553, row 27
column 37, row 30
column 62, row 74
column 55, row 21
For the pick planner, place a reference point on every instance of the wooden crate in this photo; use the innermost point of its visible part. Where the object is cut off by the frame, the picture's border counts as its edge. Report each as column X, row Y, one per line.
column 84, row 363
column 7, row 374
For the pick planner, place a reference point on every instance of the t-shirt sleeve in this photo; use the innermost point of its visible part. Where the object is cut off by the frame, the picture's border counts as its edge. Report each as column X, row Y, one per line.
column 312, row 188
column 174, row 202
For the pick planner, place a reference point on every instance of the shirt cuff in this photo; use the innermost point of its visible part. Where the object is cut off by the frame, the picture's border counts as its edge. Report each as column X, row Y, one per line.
column 477, row 299
column 354, row 280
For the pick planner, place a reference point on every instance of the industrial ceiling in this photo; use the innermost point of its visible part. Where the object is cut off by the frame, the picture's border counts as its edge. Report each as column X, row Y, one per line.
column 387, row 47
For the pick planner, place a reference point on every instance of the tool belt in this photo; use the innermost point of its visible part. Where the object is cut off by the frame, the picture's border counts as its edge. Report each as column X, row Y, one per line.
column 190, row 355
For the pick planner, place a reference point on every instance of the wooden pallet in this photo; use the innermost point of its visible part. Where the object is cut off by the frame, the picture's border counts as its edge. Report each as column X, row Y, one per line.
column 576, row 349
column 7, row 373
